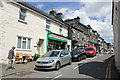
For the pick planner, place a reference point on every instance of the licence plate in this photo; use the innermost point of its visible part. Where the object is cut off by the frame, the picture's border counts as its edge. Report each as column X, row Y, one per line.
column 40, row 64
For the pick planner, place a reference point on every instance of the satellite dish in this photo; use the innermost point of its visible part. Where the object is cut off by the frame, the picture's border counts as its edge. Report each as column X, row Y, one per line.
column 1, row 4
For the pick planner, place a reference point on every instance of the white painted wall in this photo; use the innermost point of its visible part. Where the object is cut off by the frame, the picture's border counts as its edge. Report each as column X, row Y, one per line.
column 35, row 29
column 55, row 28
column 1, row 28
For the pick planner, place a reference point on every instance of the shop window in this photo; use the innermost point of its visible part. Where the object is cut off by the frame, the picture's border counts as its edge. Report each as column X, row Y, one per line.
column 23, row 43
column 47, row 24
column 22, row 14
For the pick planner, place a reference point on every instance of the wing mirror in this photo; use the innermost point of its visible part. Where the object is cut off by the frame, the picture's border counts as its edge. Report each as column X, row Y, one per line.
column 61, row 55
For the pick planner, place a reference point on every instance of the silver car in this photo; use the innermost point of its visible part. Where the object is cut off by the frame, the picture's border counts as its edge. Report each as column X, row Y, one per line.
column 53, row 60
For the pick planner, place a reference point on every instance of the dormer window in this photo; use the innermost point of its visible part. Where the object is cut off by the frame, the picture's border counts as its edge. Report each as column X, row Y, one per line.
column 22, row 14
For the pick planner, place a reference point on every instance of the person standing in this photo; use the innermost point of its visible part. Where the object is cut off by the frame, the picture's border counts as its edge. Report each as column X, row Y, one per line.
column 11, row 57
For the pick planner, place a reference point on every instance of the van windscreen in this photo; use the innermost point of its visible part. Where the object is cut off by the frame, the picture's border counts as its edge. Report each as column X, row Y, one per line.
column 88, row 49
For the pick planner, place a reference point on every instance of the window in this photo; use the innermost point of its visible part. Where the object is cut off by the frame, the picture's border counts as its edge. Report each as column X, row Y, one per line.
column 90, row 30
column 66, row 52
column 22, row 14
column 23, row 43
column 19, row 42
column 48, row 24
column 78, row 35
column 60, row 29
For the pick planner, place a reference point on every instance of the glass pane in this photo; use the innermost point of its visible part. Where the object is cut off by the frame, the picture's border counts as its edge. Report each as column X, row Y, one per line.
column 29, row 43
column 47, row 21
column 22, row 17
column 48, row 26
column 60, row 30
column 23, row 44
column 23, row 10
column 19, row 42
column 24, row 38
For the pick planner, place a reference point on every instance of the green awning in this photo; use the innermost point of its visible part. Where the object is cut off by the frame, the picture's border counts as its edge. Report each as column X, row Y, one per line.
column 57, row 38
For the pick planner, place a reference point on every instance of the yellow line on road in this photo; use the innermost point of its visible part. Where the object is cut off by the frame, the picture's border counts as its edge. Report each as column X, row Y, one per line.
column 108, row 71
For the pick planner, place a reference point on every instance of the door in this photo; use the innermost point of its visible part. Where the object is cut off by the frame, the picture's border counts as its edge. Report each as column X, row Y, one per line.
column 62, row 58
column 67, row 56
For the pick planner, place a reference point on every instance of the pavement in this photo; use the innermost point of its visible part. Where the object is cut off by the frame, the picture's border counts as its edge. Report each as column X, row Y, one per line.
column 19, row 68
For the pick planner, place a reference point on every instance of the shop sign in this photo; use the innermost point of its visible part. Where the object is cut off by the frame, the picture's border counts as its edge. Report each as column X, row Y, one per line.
column 58, row 37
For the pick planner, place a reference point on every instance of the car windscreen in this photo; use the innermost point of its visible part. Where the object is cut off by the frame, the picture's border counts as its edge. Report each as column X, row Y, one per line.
column 81, row 49
column 51, row 54
column 75, row 51
column 89, row 49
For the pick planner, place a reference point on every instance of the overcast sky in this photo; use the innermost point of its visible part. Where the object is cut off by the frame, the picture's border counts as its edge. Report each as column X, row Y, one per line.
column 97, row 14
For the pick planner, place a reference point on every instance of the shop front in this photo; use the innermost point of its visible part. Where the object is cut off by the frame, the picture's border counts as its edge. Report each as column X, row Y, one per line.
column 55, row 41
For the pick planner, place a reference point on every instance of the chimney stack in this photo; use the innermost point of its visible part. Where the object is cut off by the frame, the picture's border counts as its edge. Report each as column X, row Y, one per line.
column 53, row 12
column 77, row 19
column 59, row 16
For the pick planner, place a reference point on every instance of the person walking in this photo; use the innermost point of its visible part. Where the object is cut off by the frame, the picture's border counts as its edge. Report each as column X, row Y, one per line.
column 11, row 57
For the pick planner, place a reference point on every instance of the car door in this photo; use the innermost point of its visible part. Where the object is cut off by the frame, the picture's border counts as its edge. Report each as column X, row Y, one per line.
column 62, row 58
column 67, row 56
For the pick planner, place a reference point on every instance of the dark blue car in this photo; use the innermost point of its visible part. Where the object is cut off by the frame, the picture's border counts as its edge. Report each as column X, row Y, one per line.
column 78, row 54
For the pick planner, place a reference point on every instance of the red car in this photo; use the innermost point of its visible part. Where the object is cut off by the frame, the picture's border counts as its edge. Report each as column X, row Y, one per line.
column 90, row 51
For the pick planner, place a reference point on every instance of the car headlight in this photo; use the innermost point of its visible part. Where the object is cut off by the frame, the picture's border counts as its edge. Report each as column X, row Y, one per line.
column 75, row 55
column 91, row 52
column 51, row 61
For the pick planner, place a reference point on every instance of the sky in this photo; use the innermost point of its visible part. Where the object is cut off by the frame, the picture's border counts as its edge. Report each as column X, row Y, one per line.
column 97, row 14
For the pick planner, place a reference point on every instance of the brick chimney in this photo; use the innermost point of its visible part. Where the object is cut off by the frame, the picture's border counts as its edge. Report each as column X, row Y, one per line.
column 77, row 19
column 59, row 16
column 89, row 26
column 53, row 12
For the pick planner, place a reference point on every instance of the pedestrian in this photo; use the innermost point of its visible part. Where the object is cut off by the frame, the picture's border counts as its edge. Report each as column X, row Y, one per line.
column 11, row 57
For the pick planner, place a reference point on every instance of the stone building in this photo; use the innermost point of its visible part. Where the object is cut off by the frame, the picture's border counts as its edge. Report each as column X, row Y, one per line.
column 116, row 30
column 79, row 32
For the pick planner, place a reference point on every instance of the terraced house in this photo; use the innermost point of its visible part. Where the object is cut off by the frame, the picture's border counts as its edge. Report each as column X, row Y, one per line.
column 79, row 32
column 30, row 29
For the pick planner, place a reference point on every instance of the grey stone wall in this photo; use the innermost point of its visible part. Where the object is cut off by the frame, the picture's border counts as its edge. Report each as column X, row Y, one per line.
column 116, row 29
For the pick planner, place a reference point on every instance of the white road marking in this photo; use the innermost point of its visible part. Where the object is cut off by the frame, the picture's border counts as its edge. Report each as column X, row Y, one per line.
column 47, row 77
column 57, row 73
column 58, row 76
column 78, row 66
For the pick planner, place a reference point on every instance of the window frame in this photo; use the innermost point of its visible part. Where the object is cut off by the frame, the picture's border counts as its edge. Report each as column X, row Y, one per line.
column 22, row 14
column 60, row 29
column 48, row 23
column 21, row 43
column 78, row 35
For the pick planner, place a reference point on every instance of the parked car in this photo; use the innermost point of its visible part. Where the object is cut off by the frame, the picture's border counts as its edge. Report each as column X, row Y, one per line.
column 81, row 47
column 78, row 54
column 109, row 52
column 53, row 59
column 90, row 51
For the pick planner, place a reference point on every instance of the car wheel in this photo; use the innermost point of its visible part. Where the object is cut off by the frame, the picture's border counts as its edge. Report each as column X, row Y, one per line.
column 57, row 66
column 84, row 56
column 79, row 58
column 70, row 62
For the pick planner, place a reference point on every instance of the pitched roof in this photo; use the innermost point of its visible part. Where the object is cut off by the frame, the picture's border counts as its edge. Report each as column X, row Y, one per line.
column 25, row 4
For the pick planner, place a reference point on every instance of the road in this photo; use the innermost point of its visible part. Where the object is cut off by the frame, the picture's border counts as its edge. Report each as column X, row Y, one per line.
column 97, row 67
